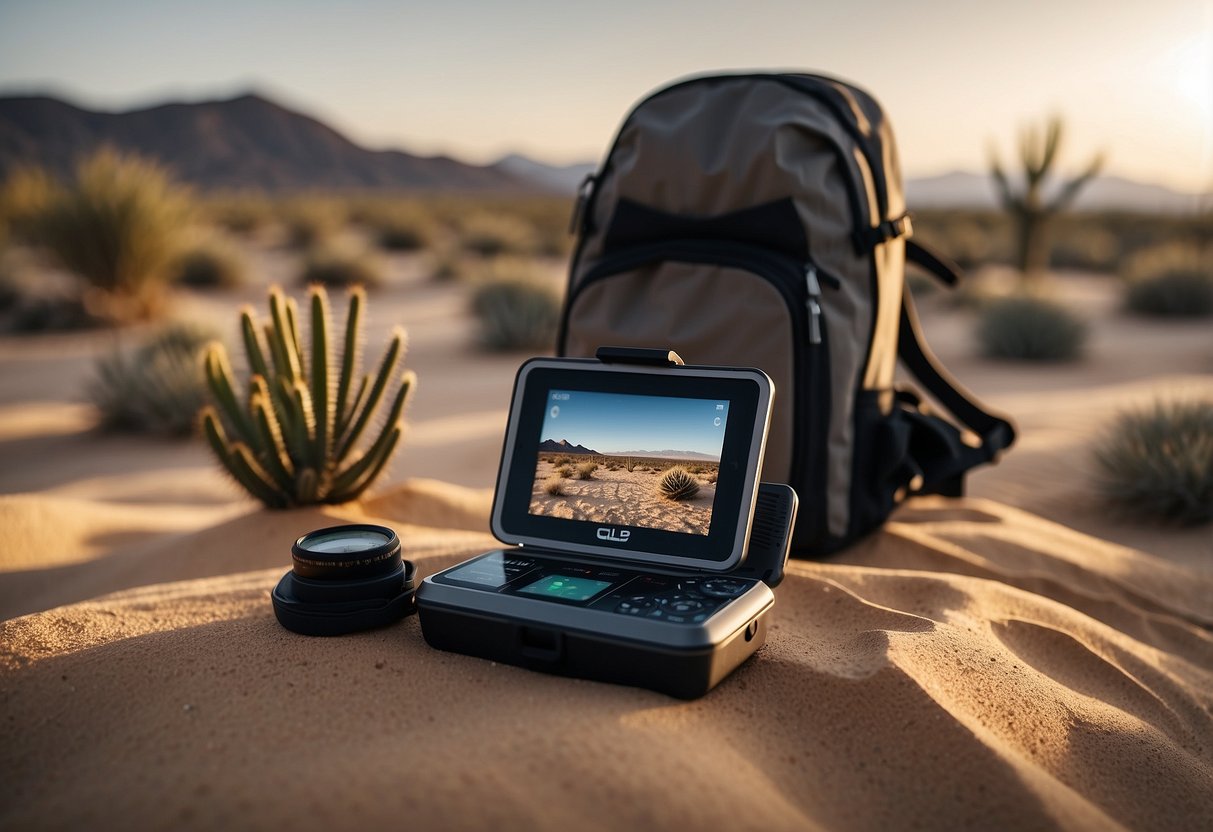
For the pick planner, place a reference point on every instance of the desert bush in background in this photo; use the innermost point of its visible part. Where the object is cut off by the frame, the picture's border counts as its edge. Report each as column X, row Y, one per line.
column 24, row 195
column 494, row 234
column 213, row 263
column 399, row 226
column 338, row 265
column 449, row 265
column 157, row 388
column 311, row 221
column 119, row 225
column 516, row 308
column 585, row 470
column 1158, row 463
column 1174, row 280
column 297, row 438
column 554, row 487
column 678, row 484
column 240, row 213
column 1027, row 328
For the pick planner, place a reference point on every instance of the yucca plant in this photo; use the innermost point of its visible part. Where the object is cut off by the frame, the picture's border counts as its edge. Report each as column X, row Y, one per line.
column 119, row 225
column 678, row 484
column 296, row 438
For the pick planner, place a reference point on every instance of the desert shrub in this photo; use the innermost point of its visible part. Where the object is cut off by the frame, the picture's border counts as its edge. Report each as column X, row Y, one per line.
column 311, row 221
column 402, row 228
column 337, row 265
column 516, row 312
column 307, row 426
column 1028, row 328
column 494, row 234
column 119, row 225
column 585, row 470
column 31, row 302
column 564, row 471
column 449, row 266
column 1171, row 281
column 157, row 388
column 240, row 213
column 1158, row 463
column 678, row 484
column 24, row 195
column 212, row 264
column 712, row 477
column 1085, row 247
column 554, row 487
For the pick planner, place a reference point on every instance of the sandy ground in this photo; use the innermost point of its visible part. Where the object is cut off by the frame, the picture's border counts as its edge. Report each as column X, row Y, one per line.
column 622, row 497
column 1030, row 660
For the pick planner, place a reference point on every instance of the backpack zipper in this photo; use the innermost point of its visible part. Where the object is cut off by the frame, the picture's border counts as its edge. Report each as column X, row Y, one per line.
column 811, row 400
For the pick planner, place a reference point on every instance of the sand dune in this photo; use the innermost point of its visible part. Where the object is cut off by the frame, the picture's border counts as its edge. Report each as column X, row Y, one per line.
column 970, row 666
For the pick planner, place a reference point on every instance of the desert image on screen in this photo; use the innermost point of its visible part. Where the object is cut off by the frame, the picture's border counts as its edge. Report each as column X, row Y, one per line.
column 629, row 460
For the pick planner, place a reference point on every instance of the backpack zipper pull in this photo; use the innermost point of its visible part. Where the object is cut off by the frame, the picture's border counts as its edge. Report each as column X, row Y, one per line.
column 814, row 303
column 583, row 194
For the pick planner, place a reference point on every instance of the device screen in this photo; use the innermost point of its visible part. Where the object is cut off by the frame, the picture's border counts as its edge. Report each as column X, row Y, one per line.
column 629, row 460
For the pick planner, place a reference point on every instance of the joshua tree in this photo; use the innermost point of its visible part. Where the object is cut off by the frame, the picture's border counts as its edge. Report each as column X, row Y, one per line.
column 1032, row 213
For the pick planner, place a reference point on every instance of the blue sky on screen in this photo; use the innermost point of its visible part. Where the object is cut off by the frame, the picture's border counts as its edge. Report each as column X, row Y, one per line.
column 614, row 423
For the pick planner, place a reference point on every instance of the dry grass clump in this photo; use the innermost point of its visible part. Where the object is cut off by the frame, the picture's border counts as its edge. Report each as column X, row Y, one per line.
column 240, row 213
column 157, row 388
column 213, row 263
column 311, row 221
column 24, row 194
column 1158, row 463
column 1026, row 328
column 342, row 265
column 1174, row 281
column 553, row 487
column 678, row 483
column 119, row 225
column 495, row 234
column 517, row 309
column 402, row 228
column 585, row 470
column 564, row 471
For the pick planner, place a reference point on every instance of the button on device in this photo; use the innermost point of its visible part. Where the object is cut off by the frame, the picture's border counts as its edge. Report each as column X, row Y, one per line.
column 684, row 605
column 723, row 587
column 635, row 605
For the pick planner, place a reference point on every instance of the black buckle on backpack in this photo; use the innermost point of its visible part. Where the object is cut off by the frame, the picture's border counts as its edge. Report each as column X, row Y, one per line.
column 868, row 239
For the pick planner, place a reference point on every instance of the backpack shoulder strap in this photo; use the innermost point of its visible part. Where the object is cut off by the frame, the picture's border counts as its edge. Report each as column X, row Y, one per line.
column 995, row 432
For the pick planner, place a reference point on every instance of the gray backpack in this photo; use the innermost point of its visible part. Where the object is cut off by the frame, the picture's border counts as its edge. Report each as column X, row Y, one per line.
column 759, row 220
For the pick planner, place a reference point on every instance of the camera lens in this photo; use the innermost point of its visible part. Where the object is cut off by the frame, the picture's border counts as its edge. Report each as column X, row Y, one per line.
column 344, row 579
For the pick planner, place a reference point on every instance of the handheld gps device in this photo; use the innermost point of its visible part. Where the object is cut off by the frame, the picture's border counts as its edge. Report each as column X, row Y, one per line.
column 642, row 547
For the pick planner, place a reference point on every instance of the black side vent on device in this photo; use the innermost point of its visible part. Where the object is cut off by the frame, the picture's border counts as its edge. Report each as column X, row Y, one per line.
column 770, row 533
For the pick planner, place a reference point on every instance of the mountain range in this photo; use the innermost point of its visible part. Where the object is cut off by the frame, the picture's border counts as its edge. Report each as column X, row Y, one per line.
column 252, row 142
column 669, row 454
column 563, row 447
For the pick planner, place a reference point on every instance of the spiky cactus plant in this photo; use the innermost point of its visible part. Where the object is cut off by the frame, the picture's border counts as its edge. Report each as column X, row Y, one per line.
column 678, row 484
column 1032, row 213
column 295, row 439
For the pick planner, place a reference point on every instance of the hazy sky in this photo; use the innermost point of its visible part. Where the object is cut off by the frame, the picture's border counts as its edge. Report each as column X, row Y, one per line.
column 611, row 423
column 552, row 79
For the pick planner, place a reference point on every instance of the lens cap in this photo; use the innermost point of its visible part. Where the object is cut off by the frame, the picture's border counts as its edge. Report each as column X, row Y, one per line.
column 344, row 579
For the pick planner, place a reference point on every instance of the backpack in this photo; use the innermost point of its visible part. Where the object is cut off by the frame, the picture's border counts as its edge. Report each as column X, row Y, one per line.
column 759, row 220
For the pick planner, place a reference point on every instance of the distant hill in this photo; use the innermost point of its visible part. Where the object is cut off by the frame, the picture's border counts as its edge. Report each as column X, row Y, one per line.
column 668, row 454
column 563, row 447
column 243, row 142
column 561, row 178
column 961, row 189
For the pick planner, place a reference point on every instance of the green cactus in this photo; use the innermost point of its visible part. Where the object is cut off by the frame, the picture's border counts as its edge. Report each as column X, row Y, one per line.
column 1032, row 213
column 678, row 484
column 293, row 442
